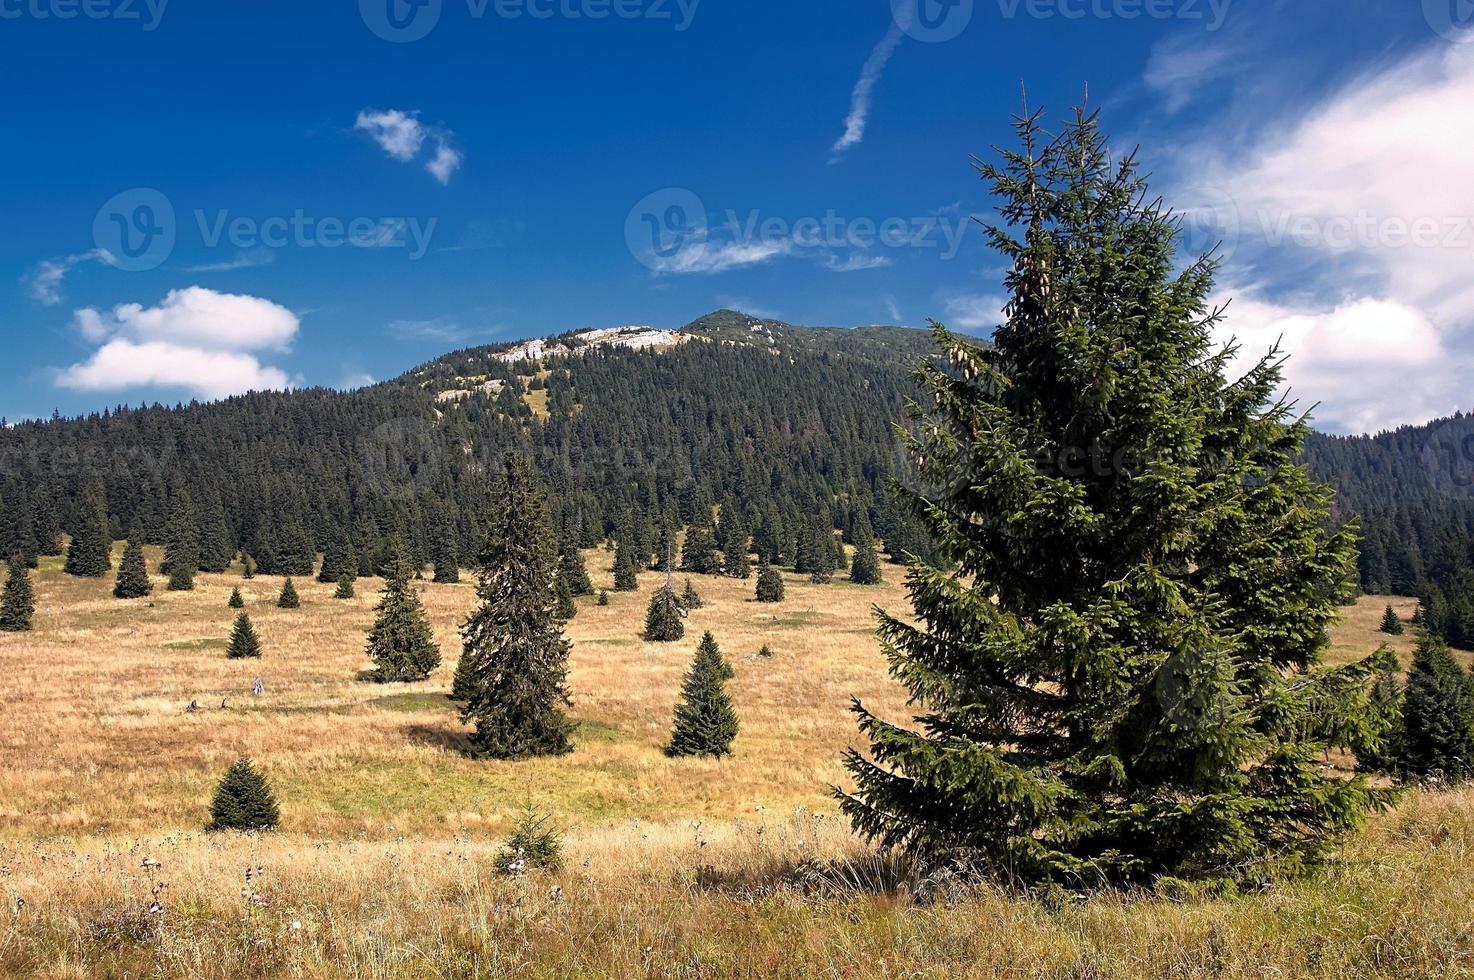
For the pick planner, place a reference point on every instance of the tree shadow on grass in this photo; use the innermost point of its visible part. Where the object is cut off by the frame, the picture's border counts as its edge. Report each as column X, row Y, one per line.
column 440, row 737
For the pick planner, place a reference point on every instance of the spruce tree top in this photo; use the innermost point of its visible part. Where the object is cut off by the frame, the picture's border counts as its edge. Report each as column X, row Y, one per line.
column 1121, row 679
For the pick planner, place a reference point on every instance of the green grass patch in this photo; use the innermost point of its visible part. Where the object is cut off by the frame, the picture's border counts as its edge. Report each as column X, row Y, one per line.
column 414, row 701
column 598, row 731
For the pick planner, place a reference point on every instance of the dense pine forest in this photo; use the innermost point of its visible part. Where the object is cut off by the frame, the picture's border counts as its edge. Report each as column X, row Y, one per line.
column 789, row 430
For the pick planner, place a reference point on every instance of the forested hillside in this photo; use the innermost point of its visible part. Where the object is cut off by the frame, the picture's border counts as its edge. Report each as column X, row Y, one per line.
column 786, row 427
column 1413, row 490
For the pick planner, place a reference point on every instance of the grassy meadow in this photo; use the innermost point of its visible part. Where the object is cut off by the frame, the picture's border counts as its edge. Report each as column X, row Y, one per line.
column 673, row 868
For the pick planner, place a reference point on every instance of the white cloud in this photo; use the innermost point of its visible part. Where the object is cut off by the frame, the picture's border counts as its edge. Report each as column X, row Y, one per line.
column 196, row 316
column 1355, row 232
column 44, row 282
column 1356, row 359
column 354, row 381
column 708, row 259
column 864, row 94
column 196, row 339
column 401, row 135
column 445, row 162
column 975, row 312
column 398, row 134
column 122, row 363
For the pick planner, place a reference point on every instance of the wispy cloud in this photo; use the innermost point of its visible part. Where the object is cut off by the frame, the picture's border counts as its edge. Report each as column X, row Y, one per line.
column 856, row 262
column 402, row 136
column 975, row 312
column 443, row 330
column 708, row 258
column 44, row 282
column 743, row 304
column 863, row 96
column 254, row 258
column 1354, row 229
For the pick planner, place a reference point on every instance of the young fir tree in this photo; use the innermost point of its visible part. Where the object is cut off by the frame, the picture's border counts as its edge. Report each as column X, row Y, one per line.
column 567, row 608
column 574, row 571
column 1436, row 734
column 690, row 598
column 445, row 557
column 244, row 643
column 625, row 579
column 236, row 600
column 1122, row 679
column 182, row 548
column 401, row 643
column 18, row 602
column 865, row 565
column 705, row 722
column 338, row 558
column 133, row 581
column 603, row 599
column 699, row 553
column 736, row 560
column 288, row 598
column 248, row 566
column 663, row 621
column 1391, row 625
column 90, row 554
column 345, row 587
column 515, row 658
column 244, row 800
column 769, row 584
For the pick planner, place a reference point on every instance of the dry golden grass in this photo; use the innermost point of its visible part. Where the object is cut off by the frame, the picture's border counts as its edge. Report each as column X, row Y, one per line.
column 383, row 866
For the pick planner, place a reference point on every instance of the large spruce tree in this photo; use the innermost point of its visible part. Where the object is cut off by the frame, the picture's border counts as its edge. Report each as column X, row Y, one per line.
column 90, row 553
column 133, row 581
column 705, row 723
column 17, row 602
column 514, row 664
column 401, row 643
column 1121, row 679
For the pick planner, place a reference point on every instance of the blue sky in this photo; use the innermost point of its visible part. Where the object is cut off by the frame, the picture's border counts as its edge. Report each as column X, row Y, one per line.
column 349, row 199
